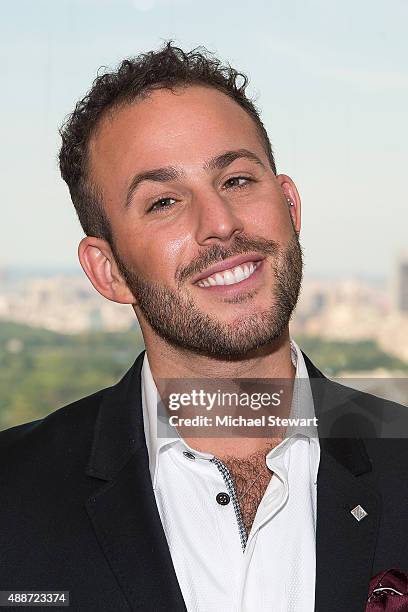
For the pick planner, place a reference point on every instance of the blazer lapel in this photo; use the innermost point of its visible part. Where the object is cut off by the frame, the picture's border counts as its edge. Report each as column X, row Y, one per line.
column 345, row 547
column 122, row 508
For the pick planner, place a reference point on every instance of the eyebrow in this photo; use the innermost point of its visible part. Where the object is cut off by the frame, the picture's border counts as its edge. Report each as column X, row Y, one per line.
column 172, row 173
column 225, row 159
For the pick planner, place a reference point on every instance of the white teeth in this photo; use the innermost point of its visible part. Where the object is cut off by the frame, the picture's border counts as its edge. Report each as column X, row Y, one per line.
column 240, row 273
column 230, row 277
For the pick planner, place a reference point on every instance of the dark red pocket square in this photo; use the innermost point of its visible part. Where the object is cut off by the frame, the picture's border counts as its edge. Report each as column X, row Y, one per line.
column 388, row 591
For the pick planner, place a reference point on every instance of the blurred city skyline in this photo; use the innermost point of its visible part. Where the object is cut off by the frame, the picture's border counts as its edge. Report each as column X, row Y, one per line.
column 330, row 81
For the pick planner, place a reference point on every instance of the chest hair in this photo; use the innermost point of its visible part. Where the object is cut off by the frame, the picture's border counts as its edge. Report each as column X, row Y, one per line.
column 251, row 476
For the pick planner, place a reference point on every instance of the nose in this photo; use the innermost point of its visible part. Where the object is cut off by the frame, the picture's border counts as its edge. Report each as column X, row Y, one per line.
column 216, row 220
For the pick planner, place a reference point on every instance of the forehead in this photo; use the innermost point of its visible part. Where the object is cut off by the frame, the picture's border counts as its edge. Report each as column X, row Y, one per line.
column 183, row 127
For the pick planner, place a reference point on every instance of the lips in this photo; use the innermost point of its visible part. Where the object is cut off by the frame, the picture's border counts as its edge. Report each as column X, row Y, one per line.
column 229, row 264
column 231, row 276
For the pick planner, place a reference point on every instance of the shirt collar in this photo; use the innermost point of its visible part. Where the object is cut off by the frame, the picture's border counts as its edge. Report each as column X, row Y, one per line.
column 302, row 405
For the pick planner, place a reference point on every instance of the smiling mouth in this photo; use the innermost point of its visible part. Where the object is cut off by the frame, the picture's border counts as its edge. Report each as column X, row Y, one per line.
column 231, row 276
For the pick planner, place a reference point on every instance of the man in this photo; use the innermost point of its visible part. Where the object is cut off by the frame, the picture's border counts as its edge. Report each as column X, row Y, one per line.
column 186, row 218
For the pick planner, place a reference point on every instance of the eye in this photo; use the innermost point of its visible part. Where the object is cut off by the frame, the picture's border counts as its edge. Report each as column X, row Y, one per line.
column 237, row 181
column 161, row 203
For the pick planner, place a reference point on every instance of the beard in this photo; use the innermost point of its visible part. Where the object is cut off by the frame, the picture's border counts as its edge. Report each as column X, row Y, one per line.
column 177, row 319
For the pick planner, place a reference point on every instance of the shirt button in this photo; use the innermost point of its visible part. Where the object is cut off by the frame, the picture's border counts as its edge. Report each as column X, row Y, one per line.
column 223, row 499
column 189, row 455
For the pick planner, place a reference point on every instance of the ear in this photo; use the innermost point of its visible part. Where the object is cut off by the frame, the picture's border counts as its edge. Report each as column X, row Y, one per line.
column 98, row 263
column 291, row 195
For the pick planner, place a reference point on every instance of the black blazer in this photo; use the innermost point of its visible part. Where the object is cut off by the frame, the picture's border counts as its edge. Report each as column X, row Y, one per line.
column 78, row 512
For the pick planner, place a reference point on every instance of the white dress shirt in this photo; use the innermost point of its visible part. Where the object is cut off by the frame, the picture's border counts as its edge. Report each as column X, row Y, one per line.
column 276, row 571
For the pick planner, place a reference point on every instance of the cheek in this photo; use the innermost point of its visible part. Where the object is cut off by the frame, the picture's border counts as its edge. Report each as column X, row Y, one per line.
column 269, row 219
column 154, row 254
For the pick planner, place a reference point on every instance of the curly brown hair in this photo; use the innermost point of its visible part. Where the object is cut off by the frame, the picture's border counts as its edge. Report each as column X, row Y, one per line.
column 168, row 68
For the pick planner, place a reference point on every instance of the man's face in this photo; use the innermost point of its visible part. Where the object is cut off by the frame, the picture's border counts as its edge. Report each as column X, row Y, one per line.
column 202, row 230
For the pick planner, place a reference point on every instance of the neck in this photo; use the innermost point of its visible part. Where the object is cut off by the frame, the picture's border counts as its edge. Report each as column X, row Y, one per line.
column 167, row 361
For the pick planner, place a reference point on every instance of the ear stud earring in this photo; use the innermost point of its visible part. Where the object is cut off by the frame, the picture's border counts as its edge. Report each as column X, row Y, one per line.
column 290, row 202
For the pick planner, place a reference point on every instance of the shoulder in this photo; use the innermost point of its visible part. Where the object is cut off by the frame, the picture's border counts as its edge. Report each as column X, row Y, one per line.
column 345, row 392
column 64, row 438
column 382, row 424
column 364, row 404
column 60, row 443
column 346, row 412
column 342, row 408
column 54, row 438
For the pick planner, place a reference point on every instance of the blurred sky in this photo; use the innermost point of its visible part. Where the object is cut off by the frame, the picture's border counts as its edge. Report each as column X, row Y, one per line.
column 329, row 77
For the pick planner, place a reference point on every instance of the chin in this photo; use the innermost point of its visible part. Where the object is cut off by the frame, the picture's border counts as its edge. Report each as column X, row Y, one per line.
column 233, row 310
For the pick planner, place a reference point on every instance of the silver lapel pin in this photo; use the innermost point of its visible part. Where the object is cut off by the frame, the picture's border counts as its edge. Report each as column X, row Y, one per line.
column 359, row 513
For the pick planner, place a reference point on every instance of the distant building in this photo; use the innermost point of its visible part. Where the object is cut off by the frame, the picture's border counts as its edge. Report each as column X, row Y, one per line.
column 401, row 285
